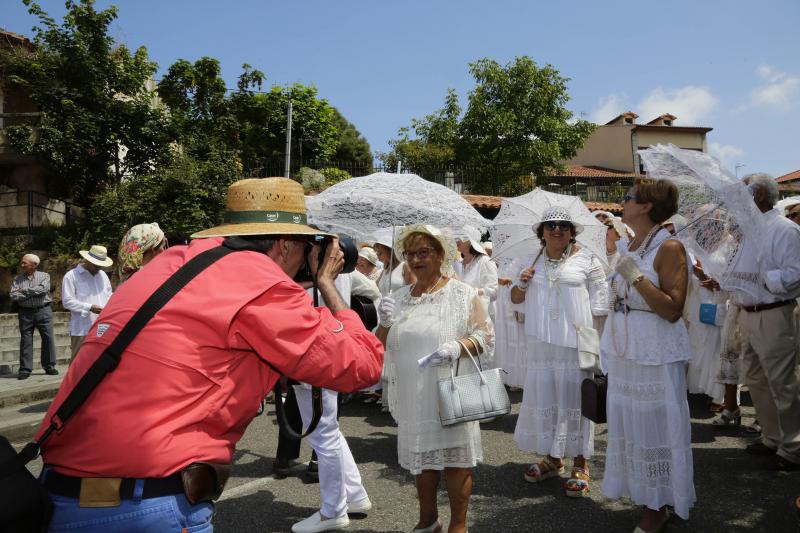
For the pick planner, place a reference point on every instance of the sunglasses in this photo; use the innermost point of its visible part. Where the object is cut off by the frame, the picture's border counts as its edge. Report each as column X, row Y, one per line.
column 422, row 254
column 628, row 197
column 561, row 224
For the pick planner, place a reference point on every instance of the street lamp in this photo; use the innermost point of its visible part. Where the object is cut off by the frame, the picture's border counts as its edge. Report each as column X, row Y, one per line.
column 737, row 167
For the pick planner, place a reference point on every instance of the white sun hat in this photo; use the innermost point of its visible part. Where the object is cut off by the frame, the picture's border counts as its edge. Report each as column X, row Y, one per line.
column 556, row 213
column 447, row 242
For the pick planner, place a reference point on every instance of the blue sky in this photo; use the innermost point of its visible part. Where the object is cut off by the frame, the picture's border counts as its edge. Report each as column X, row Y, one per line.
column 733, row 65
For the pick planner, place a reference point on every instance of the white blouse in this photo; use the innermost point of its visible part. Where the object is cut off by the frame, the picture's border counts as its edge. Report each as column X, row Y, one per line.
column 578, row 292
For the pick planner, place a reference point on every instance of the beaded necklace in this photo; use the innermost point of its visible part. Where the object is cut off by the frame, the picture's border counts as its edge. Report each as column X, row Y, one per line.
column 552, row 271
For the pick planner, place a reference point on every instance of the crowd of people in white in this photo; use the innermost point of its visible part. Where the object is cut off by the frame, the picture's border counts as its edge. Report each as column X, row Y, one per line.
column 666, row 329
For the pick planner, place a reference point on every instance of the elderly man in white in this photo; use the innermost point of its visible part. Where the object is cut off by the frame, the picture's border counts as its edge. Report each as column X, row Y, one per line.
column 85, row 290
column 768, row 330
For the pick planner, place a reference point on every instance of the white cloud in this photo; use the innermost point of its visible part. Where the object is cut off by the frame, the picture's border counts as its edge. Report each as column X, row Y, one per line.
column 780, row 90
column 727, row 153
column 608, row 107
column 690, row 104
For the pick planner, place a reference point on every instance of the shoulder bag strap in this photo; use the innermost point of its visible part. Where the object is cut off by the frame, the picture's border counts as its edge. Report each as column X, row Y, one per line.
column 110, row 357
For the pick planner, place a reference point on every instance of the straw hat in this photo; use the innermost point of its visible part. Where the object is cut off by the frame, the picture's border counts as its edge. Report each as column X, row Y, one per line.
column 263, row 206
column 97, row 255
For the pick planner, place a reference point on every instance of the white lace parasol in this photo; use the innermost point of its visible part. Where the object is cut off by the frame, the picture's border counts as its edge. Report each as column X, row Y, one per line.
column 513, row 235
column 359, row 206
column 720, row 210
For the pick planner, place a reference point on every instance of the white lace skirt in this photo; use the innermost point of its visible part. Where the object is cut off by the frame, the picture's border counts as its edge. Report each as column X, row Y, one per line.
column 649, row 454
column 705, row 363
column 550, row 420
column 510, row 352
column 467, row 456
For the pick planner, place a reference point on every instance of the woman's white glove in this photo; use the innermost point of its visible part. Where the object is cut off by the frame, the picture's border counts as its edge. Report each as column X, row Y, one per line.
column 444, row 354
column 386, row 312
column 628, row 269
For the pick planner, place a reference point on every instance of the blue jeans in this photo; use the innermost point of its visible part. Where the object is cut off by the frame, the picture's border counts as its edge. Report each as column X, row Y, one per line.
column 166, row 514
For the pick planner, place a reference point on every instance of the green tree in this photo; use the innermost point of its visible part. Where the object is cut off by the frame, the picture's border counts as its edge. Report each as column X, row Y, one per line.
column 516, row 118
column 188, row 195
column 99, row 121
column 515, row 125
column 246, row 122
column 353, row 149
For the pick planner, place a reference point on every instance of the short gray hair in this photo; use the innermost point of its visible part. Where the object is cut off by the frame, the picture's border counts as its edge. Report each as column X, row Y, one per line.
column 764, row 182
column 33, row 258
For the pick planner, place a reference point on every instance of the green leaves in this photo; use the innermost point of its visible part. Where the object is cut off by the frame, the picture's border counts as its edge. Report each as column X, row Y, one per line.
column 516, row 124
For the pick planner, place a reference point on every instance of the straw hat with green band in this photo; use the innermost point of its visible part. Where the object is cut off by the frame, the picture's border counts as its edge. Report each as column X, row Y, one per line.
column 263, row 206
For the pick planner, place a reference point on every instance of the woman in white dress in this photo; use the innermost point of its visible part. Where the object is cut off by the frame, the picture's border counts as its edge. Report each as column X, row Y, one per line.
column 644, row 349
column 477, row 269
column 426, row 327
column 565, row 287
column 510, row 351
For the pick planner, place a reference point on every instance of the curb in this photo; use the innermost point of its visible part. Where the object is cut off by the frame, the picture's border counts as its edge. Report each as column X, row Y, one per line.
column 35, row 393
column 23, row 429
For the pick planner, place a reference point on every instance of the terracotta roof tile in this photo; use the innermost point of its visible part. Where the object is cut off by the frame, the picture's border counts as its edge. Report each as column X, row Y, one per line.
column 791, row 176
column 493, row 202
column 579, row 171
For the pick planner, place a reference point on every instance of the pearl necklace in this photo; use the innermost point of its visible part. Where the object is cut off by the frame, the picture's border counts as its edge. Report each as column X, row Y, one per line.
column 425, row 292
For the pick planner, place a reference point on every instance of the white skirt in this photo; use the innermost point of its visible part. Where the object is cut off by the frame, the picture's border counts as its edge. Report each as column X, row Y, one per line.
column 704, row 366
column 649, row 453
column 510, row 352
column 550, row 420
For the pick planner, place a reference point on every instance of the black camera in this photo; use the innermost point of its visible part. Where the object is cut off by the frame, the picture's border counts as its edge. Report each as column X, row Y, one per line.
column 346, row 245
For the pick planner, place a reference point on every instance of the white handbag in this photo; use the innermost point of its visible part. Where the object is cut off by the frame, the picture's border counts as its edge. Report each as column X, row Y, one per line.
column 588, row 348
column 469, row 397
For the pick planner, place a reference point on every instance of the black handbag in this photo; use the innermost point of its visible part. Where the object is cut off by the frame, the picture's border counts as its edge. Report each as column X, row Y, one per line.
column 593, row 398
column 25, row 505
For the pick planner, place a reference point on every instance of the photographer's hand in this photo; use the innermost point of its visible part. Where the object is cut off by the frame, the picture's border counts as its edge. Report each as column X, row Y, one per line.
column 332, row 265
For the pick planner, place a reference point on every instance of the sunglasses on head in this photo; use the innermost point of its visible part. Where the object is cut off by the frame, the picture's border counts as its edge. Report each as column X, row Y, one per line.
column 563, row 225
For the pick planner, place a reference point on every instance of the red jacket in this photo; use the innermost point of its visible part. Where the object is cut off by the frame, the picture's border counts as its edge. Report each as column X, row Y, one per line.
column 191, row 381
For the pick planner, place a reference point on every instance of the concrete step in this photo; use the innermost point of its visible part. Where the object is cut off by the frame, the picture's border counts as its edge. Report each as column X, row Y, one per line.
column 12, row 355
column 19, row 423
column 10, row 343
column 37, row 388
column 13, row 331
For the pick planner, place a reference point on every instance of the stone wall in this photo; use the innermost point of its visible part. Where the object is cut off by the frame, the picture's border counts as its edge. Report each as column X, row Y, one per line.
column 9, row 343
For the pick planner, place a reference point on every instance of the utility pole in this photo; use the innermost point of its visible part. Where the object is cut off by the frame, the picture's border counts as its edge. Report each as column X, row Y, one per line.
column 288, row 139
column 738, row 166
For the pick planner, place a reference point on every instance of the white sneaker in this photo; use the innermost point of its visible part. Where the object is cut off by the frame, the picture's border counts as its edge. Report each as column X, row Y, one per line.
column 315, row 523
column 361, row 506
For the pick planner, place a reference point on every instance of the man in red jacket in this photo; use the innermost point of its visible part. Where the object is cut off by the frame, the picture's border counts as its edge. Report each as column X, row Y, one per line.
column 151, row 446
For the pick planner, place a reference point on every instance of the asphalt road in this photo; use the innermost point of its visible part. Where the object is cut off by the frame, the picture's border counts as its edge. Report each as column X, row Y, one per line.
column 734, row 493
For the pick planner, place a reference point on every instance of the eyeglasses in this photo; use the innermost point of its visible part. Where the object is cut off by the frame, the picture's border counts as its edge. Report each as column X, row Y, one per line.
column 628, row 197
column 563, row 225
column 422, row 254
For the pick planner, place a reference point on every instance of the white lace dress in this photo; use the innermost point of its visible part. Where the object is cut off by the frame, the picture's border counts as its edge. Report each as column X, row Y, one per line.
column 649, row 453
column 705, row 341
column 423, row 324
column 481, row 273
column 510, row 352
column 550, row 420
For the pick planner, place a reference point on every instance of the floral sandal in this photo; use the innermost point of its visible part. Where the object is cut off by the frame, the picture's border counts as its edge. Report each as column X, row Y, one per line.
column 577, row 485
column 544, row 469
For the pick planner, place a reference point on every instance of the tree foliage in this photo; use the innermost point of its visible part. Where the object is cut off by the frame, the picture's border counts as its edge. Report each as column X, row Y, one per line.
column 352, row 149
column 515, row 124
column 94, row 99
column 188, row 195
column 247, row 123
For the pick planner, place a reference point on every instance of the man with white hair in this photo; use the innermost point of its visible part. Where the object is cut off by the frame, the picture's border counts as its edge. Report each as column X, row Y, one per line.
column 31, row 292
column 769, row 348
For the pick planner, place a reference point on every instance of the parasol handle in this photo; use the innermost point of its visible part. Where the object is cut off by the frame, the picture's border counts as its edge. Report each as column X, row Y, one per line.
column 391, row 262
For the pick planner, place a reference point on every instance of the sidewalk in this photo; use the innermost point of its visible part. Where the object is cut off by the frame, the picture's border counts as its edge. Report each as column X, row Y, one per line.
column 24, row 403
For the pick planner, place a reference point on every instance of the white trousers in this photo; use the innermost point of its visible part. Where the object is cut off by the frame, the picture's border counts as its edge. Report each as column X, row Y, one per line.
column 339, row 479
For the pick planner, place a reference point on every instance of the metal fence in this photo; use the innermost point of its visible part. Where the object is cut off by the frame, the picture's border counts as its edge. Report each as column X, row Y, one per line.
column 26, row 210
column 477, row 180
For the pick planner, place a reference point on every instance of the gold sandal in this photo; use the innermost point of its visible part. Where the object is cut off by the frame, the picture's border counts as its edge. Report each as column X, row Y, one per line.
column 577, row 485
column 544, row 469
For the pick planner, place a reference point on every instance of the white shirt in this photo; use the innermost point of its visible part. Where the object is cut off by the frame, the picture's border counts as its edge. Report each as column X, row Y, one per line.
column 80, row 290
column 481, row 273
column 778, row 272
